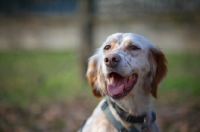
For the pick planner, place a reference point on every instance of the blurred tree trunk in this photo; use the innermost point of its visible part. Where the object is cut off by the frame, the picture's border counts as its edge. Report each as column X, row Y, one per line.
column 86, row 20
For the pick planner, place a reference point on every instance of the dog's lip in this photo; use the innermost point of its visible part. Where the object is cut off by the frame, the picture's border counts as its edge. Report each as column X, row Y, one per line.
column 124, row 90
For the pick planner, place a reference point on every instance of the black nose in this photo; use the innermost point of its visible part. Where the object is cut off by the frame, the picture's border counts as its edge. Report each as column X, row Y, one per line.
column 112, row 60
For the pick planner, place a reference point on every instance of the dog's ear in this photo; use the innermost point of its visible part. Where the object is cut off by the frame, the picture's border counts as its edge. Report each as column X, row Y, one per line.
column 94, row 75
column 160, row 69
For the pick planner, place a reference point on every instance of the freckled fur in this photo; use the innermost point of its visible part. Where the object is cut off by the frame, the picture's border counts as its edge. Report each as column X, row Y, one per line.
column 150, row 65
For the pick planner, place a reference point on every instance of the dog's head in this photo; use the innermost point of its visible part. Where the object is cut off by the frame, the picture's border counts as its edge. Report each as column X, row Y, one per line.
column 126, row 64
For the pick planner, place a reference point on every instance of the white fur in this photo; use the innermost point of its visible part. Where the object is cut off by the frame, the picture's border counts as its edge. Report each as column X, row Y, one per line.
column 137, row 102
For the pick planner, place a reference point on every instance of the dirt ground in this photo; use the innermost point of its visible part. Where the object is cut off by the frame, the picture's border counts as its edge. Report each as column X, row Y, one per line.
column 68, row 116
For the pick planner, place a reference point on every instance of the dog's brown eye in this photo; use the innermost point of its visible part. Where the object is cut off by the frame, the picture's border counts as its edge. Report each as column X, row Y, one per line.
column 107, row 47
column 134, row 47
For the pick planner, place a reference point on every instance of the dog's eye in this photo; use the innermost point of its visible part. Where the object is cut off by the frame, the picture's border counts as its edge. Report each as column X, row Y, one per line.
column 134, row 47
column 107, row 47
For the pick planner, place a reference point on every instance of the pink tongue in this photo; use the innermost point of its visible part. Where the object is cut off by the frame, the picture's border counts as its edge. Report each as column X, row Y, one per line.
column 118, row 84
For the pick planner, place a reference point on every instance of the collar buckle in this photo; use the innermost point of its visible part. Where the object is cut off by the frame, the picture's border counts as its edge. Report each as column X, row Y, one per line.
column 143, row 127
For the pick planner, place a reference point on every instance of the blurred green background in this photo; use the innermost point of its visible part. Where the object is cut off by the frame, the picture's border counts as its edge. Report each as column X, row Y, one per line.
column 44, row 46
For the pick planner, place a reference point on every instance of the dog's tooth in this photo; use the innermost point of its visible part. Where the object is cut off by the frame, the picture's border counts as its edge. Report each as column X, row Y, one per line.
column 111, row 80
column 131, row 77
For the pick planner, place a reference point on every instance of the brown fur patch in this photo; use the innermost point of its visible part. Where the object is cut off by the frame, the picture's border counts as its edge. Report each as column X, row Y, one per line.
column 128, row 42
column 143, row 69
column 161, row 69
column 126, row 45
column 112, row 43
column 92, row 76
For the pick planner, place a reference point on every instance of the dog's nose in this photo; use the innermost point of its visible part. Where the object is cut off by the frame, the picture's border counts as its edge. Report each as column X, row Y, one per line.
column 112, row 60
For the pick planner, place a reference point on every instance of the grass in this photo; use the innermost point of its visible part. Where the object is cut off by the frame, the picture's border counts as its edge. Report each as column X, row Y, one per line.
column 183, row 73
column 29, row 76
column 26, row 77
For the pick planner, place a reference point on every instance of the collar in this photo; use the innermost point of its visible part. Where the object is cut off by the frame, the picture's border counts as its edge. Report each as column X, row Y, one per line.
column 127, row 117
column 118, row 125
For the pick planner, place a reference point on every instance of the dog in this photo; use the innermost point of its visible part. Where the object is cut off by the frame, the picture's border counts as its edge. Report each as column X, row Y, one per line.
column 125, row 71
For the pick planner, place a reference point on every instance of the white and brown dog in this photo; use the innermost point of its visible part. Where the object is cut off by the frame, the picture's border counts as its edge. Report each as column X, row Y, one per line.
column 125, row 70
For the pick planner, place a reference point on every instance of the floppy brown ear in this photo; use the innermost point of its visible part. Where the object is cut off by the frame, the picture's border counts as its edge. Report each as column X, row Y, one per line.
column 92, row 75
column 161, row 69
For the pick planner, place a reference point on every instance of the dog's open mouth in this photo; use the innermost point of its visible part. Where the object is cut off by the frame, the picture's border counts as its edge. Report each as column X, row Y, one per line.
column 118, row 86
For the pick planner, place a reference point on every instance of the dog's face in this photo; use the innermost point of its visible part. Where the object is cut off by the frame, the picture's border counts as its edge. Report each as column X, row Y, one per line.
column 126, row 65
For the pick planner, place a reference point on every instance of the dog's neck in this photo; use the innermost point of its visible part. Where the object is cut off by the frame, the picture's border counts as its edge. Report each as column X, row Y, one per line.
column 135, row 105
